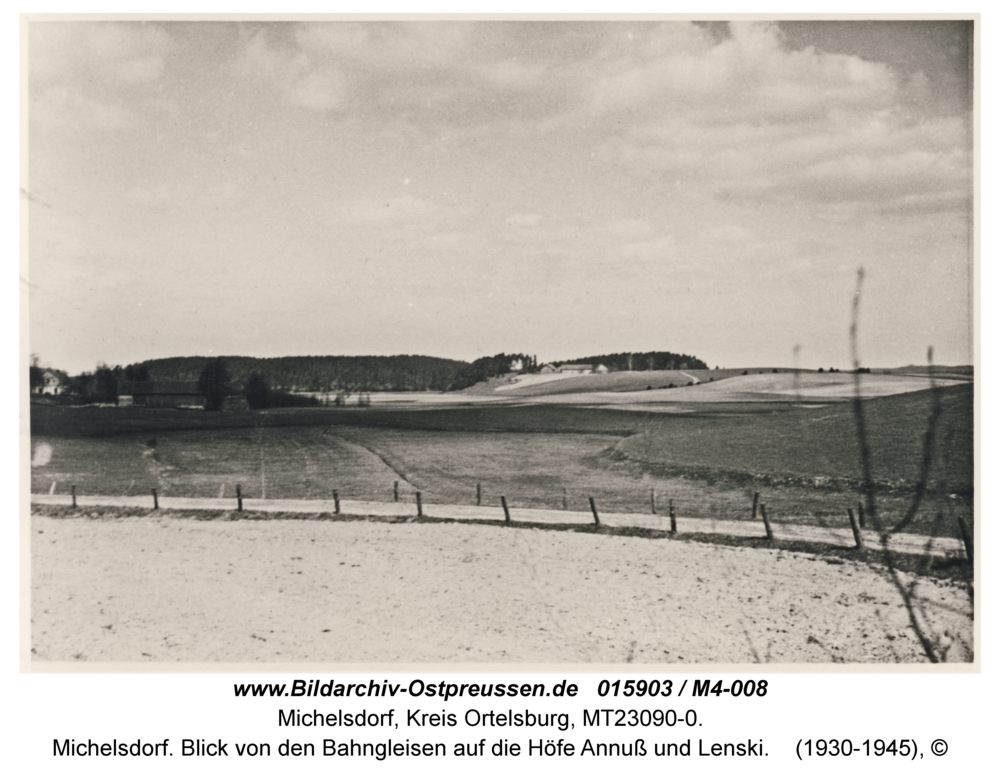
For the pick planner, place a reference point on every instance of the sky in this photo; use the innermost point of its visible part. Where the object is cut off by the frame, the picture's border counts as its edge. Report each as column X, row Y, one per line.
column 463, row 188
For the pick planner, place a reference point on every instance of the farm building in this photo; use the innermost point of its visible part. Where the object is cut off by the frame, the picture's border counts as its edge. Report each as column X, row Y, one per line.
column 160, row 393
column 52, row 385
column 579, row 369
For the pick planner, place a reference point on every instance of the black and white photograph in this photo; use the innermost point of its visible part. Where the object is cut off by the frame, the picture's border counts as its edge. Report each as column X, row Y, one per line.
column 481, row 343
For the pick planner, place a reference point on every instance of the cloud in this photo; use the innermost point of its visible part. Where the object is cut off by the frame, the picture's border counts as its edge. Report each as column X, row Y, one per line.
column 882, row 164
column 297, row 75
column 116, row 53
column 399, row 46
column 461, row 74
column 83, row 75
column 59, row 109
column 742, row 115
column 748, row 118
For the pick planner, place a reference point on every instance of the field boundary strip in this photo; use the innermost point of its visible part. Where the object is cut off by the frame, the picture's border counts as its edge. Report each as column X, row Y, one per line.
column 913, row 544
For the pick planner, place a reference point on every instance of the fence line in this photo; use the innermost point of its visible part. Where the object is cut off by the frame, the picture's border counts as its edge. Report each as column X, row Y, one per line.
column 906, row 543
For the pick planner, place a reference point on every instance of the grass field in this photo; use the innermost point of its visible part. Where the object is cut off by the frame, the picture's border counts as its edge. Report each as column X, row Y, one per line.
column 709, row 460
column 822, row 441
column 721, row 385
column 544, row 385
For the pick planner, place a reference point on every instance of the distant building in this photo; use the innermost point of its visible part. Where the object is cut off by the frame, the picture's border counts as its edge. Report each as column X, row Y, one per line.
column 52, row 384
column 160, row 393
column 578, row 369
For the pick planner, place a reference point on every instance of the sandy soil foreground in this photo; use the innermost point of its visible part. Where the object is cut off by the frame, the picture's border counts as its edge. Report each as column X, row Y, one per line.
column 169, row 589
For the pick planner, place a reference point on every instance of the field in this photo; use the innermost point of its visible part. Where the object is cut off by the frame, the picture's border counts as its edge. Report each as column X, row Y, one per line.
column 708, row 458
column 714, row 385
column 155, row 581
column 163, row 589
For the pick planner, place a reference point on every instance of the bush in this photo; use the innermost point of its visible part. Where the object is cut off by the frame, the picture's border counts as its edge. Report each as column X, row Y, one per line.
column 260, row 396
column 285, row 399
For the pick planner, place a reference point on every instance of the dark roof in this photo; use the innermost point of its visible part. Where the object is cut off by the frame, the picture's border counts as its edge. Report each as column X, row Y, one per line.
column 158, row 387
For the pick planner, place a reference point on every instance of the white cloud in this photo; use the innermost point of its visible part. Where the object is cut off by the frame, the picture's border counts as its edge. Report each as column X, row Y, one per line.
column 404, row 46
column 296, row 75
column 81, row 74
column 748, row 118
column 58, row 109
column 120, row 53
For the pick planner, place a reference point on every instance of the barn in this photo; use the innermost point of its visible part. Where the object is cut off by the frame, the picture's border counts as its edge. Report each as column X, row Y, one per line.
column 160, row 393
column 52, row 384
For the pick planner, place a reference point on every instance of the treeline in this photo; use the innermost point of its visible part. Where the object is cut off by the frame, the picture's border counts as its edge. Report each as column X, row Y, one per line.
column 101, row 385
column 322, row 374
column 655, row 360
column 343, row 375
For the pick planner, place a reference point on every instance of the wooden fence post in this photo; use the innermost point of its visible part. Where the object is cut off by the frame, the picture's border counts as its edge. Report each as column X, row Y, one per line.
column 857, row 531
column 420, row 505
column 479, row 494
column 72, row 489
column 506, row 511
column 156, row 501
column 966, row 537
column 861, row 515
column 239, row 499
column 756, row 496
column 593, row 508
column 565, row 499
column 336, row 502
column 673, row 518
column 395, row 491
column 652, row 500
column 767, row 524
